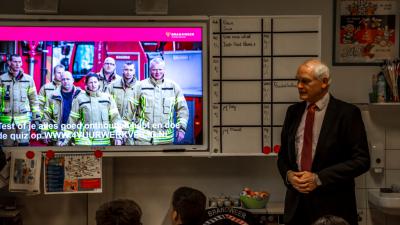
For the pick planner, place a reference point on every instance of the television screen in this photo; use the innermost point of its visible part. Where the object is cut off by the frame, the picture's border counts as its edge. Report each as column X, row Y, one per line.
column 124, row 85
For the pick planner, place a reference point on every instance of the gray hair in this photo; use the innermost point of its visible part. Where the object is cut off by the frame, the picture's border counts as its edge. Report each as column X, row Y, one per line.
column 157, row 60
column 319, row 69
column 322, row 71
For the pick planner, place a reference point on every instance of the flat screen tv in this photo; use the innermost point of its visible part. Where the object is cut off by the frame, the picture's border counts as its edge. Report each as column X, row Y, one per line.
column 164, row 110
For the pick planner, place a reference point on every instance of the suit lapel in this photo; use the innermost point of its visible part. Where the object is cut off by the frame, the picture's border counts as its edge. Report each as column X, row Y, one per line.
column 298, row 114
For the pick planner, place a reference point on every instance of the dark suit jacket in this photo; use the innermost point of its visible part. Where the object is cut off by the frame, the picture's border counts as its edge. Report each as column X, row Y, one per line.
column 341, row 155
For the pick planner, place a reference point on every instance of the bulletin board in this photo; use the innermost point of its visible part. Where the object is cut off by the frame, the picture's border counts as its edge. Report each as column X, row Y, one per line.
column 253, row 63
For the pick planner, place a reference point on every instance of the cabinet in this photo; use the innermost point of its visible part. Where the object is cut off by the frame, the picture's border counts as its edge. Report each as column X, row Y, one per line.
column 10, row 217
column 272, row 215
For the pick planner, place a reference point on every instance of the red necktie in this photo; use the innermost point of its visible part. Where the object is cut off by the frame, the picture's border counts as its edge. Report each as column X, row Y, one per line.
column 306, row 153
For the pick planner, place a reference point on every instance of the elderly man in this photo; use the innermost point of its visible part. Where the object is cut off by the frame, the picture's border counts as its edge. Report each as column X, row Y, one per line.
column 159, row 99
column 323, row 148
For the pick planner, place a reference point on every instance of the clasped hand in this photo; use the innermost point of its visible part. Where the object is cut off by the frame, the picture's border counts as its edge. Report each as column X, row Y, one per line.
column 304, row 181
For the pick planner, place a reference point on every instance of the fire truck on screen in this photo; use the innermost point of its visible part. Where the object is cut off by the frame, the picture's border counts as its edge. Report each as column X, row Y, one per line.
column 80, row 58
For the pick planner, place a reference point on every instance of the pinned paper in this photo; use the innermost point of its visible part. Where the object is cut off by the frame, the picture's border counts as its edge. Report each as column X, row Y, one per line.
column 25, row 172
column 73, row 173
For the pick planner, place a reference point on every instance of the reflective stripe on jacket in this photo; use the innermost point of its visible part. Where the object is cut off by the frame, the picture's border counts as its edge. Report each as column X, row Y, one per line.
column 104, row 83
column 94, row 117
column 125, row 96
column 53, row 110
column 45, row 93
column 158, row 101
column 18, row 99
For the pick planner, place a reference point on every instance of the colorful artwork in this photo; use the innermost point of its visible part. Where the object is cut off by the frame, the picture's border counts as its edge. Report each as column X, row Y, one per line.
column 25, row 172
column 366, row 31
column 73, row 173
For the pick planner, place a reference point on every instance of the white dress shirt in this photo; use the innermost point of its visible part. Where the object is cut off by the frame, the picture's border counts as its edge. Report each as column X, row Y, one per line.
column 322, row 104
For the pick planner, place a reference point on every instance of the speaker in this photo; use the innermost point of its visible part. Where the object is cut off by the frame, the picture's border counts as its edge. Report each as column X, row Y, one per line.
column 151, row 7
column 41, row 6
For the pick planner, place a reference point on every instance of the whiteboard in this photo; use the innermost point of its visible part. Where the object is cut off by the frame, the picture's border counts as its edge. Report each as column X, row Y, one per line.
column 253, row 64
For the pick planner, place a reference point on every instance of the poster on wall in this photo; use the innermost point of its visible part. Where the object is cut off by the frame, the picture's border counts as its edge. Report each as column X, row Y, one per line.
column 72, row 173
column 25, row 172
column 365, row 32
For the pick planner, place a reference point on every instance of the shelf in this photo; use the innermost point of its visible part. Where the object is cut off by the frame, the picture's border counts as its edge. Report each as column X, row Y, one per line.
column 272, row 208
column 385, row 106
column 9, row 213
column 139, row 153
column 275, row 208
column 243, row 154
column 156, row 154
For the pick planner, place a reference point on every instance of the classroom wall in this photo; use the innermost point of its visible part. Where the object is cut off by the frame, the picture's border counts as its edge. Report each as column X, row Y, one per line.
column 151, row 180
column 159, row 177
column 383, row 129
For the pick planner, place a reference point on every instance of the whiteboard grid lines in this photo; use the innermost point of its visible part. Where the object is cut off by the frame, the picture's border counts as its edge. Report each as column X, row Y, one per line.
column 270, row 32
column 264, row 56
column 253, row 65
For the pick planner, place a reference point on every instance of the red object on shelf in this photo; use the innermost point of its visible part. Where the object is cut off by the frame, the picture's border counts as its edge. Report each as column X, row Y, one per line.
column 266, row 150
column 50, row 154
column 277, row 148
column 98, row 154
column 30, row 154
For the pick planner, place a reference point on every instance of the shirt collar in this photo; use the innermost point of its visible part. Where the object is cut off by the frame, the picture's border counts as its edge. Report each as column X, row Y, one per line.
column 93, row 93
column 130, row 84
column 102, row 76
column 322, row 103
column 156, row 82
column 56, row 83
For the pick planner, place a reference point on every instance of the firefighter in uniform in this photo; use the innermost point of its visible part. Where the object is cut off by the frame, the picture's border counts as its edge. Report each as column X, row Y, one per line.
column 47, row 89
column 107, row 74
column 58, row 107
column 124, row 92
column 94, row 117
column 159, row 98
column 18, row 104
